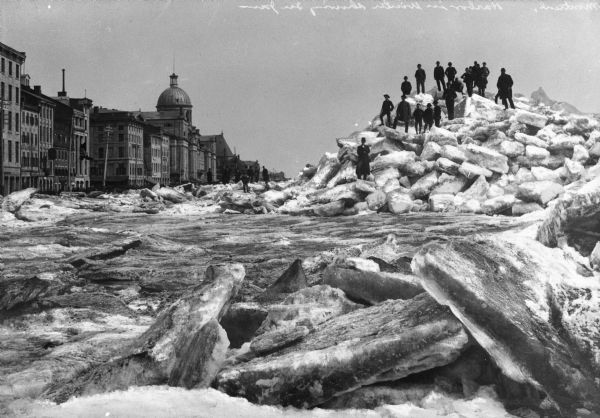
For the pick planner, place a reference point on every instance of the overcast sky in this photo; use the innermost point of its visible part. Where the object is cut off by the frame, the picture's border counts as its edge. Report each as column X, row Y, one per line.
column 282, row 84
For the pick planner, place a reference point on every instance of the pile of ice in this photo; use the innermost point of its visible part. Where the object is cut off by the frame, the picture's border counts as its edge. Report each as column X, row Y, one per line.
column 488, row 160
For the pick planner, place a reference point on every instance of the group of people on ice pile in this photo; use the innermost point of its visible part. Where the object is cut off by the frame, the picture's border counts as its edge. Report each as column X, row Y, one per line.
column 474, row 76
column 246, row 176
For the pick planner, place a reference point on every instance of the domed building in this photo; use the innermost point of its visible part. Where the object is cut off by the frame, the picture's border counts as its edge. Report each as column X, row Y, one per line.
column 175, row 98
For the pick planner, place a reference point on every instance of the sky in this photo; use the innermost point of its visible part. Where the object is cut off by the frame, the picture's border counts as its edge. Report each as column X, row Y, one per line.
column 284, row 78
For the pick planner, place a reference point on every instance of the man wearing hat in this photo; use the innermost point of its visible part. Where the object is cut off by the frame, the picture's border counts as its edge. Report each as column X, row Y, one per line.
column 406, row 87
column 386, row 109
column 437, row 113
column 403, row 114
column 428, row 117
column 450, row 73
column 438, row 75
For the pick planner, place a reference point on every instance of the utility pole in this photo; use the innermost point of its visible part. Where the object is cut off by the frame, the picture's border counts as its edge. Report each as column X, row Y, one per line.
column 107, row 132
column 2, row 145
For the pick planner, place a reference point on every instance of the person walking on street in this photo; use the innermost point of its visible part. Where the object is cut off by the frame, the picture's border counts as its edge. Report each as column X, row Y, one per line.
column 428, row 118
column 504, row 84
column 449, row 96
column 420, row 76
column 406, row 87
column 386, row 110
column 438, row 75
column 362, row 166
column 468, row 79
column 403, row 114
column 437, row 113
column 450, row 73
column 209, row 176
column 418, row 115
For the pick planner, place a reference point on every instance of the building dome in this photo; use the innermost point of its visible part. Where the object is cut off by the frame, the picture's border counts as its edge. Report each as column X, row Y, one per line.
column 173, row 97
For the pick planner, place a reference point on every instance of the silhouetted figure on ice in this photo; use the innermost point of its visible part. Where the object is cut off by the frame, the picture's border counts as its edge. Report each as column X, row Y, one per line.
column 406, row 87
column 450, row 73
column 505, row 83
column 362, row 166
column 437, row 113
column 403, row 114
column 265, row 176
column 209, row 176
column 438, row 75
column 476, row 73
column 245, row 180
column 251, row 174
column 449, row 96
column 420, row 77
column 428, row 117
column 386, row 110
column 468, row 79
column 418, row 115
column 483, row 80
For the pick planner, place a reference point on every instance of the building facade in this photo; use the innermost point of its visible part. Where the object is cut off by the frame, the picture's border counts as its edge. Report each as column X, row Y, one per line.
column 30, row 139
column 11, row 62
column 117, row 144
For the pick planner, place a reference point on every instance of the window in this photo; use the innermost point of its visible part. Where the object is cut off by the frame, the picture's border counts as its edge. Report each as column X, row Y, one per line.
column 9, row 93
column 10, row 68
column 100, row 152
column 121, row 153
column 121, row 138
column 16, row 152
column 17, row 122
column 17, row 94
column 10, row 121
column 17, row 69
column 3, row 69
column 9, row 151
column 2, row 89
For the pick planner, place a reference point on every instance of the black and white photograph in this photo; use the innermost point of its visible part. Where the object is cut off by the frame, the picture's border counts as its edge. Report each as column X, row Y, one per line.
column 300, row 208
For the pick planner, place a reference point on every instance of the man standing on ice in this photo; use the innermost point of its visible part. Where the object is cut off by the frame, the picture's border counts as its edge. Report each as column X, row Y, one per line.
column 418, row 115
column 449, row 96
column 438, row 75
column 450, row 73
column 386, row 109
column 403, row 114
column 505, row 83
column 406, row 87
column 485, row 72
column 437, row 113
column 420, row 76
column 428, row 118
column 245, row 179
column 362, row 166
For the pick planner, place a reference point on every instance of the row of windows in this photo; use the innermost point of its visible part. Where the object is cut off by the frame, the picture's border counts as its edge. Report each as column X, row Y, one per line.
column 3, row 92
column 28, row 137
column 29, row 119
column 30, row 161
column 10, row 68
column 9, row 152
column 8, row 121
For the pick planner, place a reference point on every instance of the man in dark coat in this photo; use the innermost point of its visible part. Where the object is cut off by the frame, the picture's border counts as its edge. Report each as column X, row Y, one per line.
column 386, row 110
column 362, row 165
column 428, row 117
column 209, row 176
column 406, row 87
column 418, row 115
column 403, row 114
column 438, row 75
column 483, row 80
column 468, row 79
column 437, row 113
column 476, row 74
column 420, row 77
column 245, row 179
column 450, row 72
column 265, row 176
column 505, row 83
column 449, row 96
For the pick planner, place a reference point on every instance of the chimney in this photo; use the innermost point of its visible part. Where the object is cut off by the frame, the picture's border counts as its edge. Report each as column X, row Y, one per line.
column 63, row 93
column 37, row 89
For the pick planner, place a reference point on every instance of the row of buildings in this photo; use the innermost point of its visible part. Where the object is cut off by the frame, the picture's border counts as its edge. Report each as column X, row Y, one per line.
column 59, row 143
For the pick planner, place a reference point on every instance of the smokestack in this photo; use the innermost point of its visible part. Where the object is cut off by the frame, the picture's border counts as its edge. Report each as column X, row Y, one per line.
column 63, row 93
